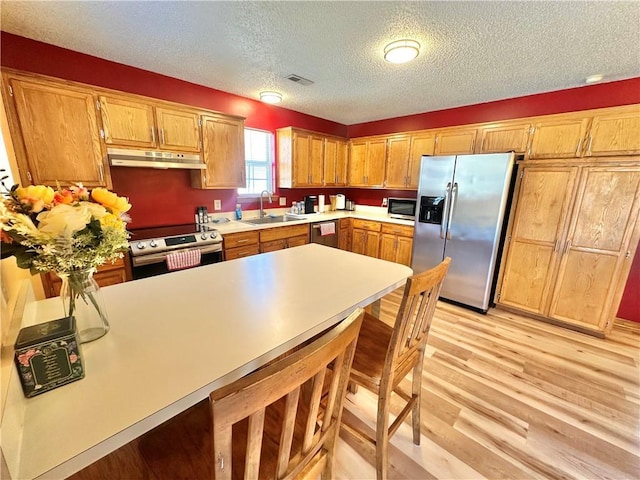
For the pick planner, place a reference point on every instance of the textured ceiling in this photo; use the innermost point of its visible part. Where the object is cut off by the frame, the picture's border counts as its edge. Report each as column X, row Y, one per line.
column 473, row 52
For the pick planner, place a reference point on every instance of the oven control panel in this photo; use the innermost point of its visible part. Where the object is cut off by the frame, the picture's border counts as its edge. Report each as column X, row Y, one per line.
column 192, row 240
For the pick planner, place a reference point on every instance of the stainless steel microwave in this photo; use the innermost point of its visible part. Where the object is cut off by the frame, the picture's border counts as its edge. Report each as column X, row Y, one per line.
column 402, row 208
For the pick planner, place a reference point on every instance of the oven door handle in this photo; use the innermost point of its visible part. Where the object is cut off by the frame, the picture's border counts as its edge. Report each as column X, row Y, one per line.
column 162, row 256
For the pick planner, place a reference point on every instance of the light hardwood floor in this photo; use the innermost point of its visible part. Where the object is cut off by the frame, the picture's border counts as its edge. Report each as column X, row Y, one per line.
column 504, row 397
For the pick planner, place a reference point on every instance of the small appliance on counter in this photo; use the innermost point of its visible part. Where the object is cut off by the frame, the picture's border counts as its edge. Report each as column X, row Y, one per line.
column 350, row 205
column 340, row 202
column 309, row 203
column 404, row 208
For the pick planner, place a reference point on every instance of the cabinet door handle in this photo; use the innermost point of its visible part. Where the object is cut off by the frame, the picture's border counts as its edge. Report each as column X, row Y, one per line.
column 244, row 240
column 101, row 172
column 589, row 145
column 555, row 247
column 578, row 149
column 567, row 246
column 153, row 135
column 162, row 136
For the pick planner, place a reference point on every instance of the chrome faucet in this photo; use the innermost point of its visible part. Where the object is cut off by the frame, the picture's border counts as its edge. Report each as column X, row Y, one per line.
column 262, row 212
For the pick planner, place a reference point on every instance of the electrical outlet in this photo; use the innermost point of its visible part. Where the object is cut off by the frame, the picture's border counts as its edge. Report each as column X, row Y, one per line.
column 384, row 202
column 283, row 201
column 217, row 205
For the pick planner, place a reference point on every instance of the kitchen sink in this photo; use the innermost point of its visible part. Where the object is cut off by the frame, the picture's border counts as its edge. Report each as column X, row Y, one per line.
column 270, row 219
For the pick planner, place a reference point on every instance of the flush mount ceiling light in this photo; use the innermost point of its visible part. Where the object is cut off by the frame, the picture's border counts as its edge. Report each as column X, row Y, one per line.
column 270, row 97
column 593, row 78
column 401, row 51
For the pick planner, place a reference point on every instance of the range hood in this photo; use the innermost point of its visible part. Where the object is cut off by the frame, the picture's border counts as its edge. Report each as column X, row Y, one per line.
column 121, row 157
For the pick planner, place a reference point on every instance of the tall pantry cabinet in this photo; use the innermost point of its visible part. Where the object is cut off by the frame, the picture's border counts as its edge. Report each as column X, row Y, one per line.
column 571, row 242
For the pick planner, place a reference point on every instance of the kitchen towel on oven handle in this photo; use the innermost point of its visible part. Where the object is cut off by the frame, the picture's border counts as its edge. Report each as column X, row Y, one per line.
column 183, row 259
column 328, row 228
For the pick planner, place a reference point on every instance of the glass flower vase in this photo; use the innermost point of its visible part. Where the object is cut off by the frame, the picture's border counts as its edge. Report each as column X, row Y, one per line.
column 80, row 294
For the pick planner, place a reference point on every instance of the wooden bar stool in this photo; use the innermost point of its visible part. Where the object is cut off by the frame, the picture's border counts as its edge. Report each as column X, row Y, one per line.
column 281, row 422
column 385, row 355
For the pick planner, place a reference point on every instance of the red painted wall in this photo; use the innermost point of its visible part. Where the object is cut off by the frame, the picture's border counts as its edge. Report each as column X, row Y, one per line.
column 624, row 92
column 165, row 197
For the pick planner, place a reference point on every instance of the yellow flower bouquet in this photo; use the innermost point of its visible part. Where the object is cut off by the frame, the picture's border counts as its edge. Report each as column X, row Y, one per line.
column 70, row 231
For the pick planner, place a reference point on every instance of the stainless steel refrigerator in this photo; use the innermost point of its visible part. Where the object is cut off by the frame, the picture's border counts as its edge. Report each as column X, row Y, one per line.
column 462, row 202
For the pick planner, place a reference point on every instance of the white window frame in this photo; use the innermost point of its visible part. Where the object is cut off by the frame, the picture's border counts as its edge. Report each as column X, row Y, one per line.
column 249, row 164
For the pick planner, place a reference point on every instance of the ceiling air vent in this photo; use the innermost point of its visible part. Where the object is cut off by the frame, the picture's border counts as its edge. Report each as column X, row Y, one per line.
column 300, row 80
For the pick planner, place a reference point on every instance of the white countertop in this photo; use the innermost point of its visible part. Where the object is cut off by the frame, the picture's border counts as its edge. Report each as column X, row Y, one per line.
column 176, row 337
column 362, row 212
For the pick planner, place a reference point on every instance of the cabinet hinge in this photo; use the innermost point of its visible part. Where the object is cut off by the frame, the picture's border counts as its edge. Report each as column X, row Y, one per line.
column 498, row 296
column 101, row 133
column 521, row 173
column 29, row 176
column 10, row 90
column 97, row 104
column 509, row 238
column 200, row 122
column 533, row 129
column 628, row 254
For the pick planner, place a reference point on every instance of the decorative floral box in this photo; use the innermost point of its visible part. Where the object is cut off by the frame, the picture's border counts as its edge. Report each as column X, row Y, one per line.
column 48, row 355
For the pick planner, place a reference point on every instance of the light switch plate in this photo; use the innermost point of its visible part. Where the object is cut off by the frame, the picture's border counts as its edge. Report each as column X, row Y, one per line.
column 283, row 201
column 217, row 205
column 384, row 202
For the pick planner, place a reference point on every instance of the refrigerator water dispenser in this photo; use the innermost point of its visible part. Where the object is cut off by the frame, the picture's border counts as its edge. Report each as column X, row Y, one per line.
column 431, row 209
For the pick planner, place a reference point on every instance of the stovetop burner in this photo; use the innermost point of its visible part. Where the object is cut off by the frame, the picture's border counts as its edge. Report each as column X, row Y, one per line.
column 146, row 241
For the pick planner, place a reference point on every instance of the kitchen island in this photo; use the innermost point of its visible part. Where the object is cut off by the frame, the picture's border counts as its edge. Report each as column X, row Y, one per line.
column 175, row 338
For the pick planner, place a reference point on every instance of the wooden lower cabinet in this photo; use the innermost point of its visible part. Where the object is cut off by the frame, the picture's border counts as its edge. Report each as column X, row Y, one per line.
column 572, row 242
column 396, row 243
column 365, row 237
column 108, row 274
column 344, row 234
column 278, row 238
column 241, row 244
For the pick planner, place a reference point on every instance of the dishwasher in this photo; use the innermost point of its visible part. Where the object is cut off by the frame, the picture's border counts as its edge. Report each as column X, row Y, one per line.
column 325, row 233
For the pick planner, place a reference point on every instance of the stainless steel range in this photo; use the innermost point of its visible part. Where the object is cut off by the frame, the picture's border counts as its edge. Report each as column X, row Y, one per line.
column 149, row 247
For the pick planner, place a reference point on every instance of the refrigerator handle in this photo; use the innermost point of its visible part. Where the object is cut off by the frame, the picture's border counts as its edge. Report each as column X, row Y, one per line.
column 454, row 197
column 443, row 224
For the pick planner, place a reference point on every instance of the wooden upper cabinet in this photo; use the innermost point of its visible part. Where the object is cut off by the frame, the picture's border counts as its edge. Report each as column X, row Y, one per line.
column 129, row 122
column 404, row 154
column 308, row 166
column 223, row 153
column 357, row 162
column 505, row 138
column 301, row 158
column 335, row 162
column 616, row 133
column 316, row 161
column 421, row 144
column 301, row 154
column 456, row 141
column 560, row 138
column 397, row 175
column 367, row 162
column 56, row 133
column 178, row 129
